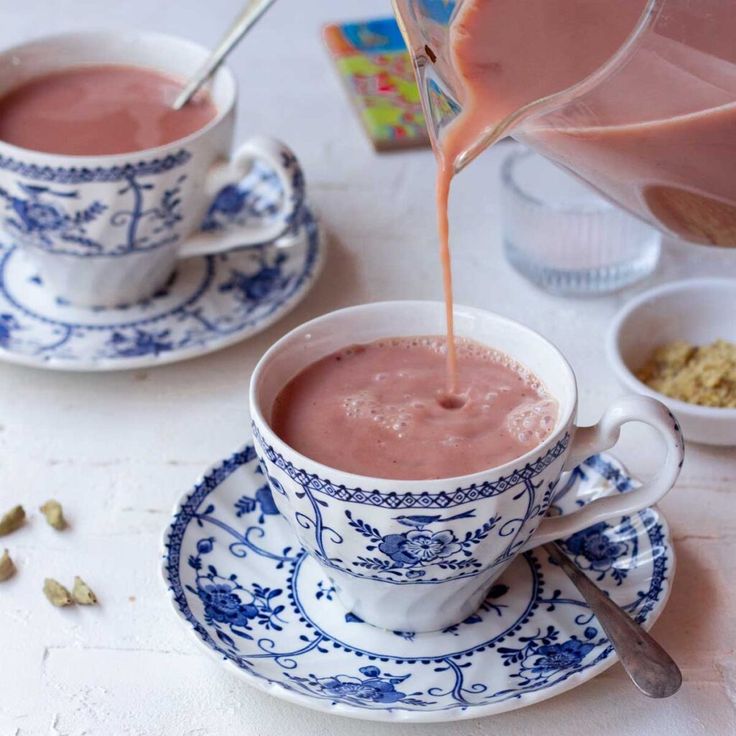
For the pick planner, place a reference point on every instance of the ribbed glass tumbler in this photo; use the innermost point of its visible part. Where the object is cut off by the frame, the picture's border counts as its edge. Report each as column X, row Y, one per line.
column 564, row 237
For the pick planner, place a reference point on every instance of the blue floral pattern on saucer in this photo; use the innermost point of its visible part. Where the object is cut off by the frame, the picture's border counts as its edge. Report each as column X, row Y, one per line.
column 211, row 302
column 257, row 601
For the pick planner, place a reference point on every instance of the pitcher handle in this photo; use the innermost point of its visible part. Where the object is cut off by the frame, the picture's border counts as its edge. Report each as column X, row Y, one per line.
column 602, row 436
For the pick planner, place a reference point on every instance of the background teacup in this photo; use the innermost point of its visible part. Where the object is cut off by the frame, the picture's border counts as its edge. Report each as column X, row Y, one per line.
column 108, row 230
column 420, row 555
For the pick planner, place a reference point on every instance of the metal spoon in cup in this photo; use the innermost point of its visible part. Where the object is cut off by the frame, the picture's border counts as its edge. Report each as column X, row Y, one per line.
column 650, row 668
column 240, row 26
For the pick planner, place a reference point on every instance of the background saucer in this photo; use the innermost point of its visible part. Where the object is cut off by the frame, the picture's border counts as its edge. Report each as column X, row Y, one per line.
column 256, row 601
column 210, row 303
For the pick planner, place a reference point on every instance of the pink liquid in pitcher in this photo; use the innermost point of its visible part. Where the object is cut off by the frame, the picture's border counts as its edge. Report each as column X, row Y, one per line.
column 380, row 410
column 506, row 54
column 674, row 169
column 658, row 136
column 99, row 110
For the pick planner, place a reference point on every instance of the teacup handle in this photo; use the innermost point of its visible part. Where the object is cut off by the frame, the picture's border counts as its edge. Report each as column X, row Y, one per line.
column 602, row 436
column 224, row 176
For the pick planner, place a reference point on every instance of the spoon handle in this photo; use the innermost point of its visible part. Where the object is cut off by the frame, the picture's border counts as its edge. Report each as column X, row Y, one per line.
column 240, row 26
column 650, row 668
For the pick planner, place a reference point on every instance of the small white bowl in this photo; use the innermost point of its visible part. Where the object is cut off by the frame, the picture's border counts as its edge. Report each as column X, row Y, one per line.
column 698, row 311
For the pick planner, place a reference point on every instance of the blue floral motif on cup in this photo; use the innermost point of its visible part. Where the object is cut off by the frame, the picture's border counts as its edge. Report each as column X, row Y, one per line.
column 421, row 552
column 45, row 212
column 421, row 547
column 63, row 211
column 257, row 196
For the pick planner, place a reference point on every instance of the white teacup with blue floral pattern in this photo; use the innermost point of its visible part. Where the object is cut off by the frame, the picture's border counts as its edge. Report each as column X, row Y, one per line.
column 108, row 230
column 421, row 555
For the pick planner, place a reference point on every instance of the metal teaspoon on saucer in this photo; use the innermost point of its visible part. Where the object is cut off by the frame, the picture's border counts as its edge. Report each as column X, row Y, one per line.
column 650, row 668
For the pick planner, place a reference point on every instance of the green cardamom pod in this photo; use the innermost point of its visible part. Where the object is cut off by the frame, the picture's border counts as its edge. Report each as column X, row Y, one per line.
column 82, row 593
column 12, row 520
column 54, row 514
column 57, row 594
column 7, row 567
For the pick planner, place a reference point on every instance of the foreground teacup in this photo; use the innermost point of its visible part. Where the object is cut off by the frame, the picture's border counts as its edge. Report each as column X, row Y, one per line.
column 421, row 555
column 107, row 230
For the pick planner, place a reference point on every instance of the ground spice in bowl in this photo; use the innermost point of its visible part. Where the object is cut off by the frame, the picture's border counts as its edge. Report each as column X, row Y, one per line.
column 704, row 375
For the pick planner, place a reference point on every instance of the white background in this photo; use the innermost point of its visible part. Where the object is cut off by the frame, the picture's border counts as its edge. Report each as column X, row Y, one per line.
column 118, row 450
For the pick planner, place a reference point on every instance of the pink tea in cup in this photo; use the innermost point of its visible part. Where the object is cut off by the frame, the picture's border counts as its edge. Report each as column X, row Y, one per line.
column 382, row 410
column 99, row 110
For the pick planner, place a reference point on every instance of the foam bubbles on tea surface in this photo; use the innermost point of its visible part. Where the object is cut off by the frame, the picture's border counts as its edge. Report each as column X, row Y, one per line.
column 380, row 402
column 396, row 418
column 533, row 421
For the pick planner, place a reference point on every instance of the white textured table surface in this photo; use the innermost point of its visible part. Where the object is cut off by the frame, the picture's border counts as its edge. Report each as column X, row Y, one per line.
column 118, row 450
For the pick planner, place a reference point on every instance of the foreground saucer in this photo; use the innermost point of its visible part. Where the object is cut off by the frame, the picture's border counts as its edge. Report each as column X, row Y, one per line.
column 260, row 604
column 210, row 303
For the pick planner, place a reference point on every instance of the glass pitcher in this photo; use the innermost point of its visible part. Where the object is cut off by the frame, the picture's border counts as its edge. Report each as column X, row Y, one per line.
column 637, row 97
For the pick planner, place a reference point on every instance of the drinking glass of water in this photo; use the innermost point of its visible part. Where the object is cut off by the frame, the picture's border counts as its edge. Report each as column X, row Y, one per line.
column 564, row 237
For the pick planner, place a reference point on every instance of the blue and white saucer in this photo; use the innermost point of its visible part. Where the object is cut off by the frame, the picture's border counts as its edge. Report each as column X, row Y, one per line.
column 211, row 302
column 256, row 601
